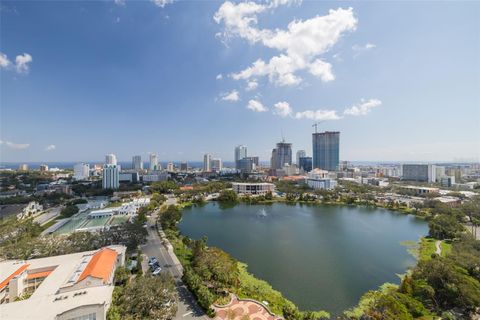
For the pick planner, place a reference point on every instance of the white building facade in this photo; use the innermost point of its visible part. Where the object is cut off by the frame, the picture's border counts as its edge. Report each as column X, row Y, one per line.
column 81, row 171
column 319, row 179
column 261, row 188
column 110, row 159
column 110, row 176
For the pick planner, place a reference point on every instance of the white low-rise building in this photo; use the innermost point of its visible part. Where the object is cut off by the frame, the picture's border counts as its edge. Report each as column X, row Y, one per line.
column 73, row 286
column 128, row 208
column 320, row 179
column 260, row 188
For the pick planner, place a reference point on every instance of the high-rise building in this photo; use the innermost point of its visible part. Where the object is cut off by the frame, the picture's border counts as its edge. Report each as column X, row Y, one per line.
column 326, row 150
column 23, row 167
column 110, row 176
column 137, row 163
column 305, row 164
column 282, row 155
column 184, row 166
column 300, row 153
column 43, row 168
column 170, row 167
column 240, row 153
column 216, row 164
column 419, row 172
column 110, row 159
column 153, row 162
column 255, row 160
column 246, row 165
column 207, row 162
column 273, row 159
column 81, row 171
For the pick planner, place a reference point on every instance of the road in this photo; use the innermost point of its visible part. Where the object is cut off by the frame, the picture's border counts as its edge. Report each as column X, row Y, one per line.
column 187, row 305
column 48, row 215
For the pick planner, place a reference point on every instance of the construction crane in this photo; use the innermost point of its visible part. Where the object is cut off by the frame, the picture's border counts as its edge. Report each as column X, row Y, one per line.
column 316, row 125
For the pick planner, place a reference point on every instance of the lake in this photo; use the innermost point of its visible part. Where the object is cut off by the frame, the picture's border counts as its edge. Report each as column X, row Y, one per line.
column 320, row 257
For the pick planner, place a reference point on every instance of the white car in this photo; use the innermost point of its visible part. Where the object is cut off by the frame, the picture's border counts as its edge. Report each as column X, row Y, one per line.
column 157, row 271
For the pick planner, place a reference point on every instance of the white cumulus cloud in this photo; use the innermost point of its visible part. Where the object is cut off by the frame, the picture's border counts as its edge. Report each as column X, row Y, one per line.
column 162, row 3
column 50, row 147
column 22, row 61
column 4, row 62
column 358, row 49
column 363, row 108
column 231, row 96
column 256, row 106
column 13, row 145
column 283, row 109
column 120, row 2
column 219, row 76
column 251, row 85
column 318, row 115
column 300, row 45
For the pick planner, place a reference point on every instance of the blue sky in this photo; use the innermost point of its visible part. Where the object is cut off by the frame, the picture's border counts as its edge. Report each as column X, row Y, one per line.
column 400, row 80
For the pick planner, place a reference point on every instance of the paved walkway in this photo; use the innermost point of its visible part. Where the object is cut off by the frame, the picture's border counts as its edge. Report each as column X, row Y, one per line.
column 239, row 309
column 438, row 246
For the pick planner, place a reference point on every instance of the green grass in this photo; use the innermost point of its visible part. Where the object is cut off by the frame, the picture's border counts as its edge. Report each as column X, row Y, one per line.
column 427, row 248
column 96, row 222
column 49, row 224
column 114, row 204
column 116, row 220
column 446, row 248
column 183, row 253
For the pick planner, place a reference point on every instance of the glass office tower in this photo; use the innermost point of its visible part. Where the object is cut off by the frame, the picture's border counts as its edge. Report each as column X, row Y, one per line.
column 326, row 150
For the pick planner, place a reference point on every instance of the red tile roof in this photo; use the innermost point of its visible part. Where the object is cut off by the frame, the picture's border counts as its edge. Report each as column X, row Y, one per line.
column 100, row 265
column 37, row 275
column 5, row 282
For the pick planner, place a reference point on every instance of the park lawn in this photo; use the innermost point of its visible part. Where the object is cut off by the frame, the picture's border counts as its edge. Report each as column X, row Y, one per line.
column 427, row 248
column 183, row 253
column 49, row 224
column 446, row 248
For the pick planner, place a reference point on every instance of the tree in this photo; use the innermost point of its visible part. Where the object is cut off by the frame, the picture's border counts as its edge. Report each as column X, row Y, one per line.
column 447, row 285
column 445, row 227
column 164, row 186
column 170, row 217
column 121, row 276
column 228, row 196
column 146, row 298
column 69, row 211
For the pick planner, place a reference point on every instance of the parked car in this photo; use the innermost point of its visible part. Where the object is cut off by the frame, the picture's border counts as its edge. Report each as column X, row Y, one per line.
column 155, row 266
column 157, row 271
column 152, row 261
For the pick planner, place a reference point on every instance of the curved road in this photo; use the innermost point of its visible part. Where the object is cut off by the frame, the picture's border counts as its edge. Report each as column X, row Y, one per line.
column 187, row 305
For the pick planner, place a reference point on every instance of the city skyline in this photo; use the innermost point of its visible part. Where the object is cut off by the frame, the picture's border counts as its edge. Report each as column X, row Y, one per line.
column 71, row 86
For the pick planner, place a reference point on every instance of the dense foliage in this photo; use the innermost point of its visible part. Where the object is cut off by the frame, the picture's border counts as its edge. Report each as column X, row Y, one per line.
column 22, row 240
column 145, row 298
column 228, row 196
column 164, row 186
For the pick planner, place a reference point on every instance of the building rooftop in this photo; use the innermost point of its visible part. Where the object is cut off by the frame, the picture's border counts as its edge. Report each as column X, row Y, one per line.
column 59, row 292
column 100, row 265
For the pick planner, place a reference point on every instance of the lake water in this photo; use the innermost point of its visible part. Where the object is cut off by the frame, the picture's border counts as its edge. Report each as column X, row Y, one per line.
column 319, row 257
